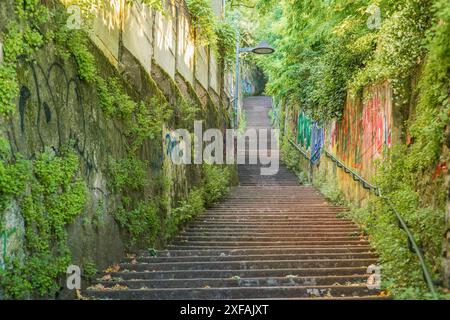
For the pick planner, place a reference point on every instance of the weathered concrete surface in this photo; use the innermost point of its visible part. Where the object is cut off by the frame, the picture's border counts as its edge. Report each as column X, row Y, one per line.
column 165, row 39
column 201, row 66
column 214, row 78
column 12, row 235
column 138, row 33
column 107, row 29
column 149, row 36
column 185, row 46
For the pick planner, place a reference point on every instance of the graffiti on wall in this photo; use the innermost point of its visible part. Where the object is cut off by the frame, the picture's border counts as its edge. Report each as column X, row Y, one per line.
column 359, row 137
column 247, row 87
column 310, row 136
column 365, row 128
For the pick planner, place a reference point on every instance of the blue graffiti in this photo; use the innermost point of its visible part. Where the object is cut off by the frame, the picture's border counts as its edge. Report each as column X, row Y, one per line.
column 310, row 136
column 247, row 86
column 171, row 143
column 317, row 142
column 174, row 148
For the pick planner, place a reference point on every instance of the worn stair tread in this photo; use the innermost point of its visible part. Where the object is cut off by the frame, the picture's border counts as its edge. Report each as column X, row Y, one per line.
column 234, row 293
column 220, row 273
column 235, row 282
column 266, row 250
column 224, row 257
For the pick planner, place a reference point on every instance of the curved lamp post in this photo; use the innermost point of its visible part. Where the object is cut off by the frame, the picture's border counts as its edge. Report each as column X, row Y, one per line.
column 262, row 48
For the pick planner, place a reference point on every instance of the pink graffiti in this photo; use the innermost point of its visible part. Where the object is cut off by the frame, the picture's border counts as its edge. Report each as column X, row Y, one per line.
column 365, row 128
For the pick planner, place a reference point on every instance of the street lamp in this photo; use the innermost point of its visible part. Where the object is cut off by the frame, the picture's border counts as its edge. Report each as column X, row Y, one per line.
column 262, row 48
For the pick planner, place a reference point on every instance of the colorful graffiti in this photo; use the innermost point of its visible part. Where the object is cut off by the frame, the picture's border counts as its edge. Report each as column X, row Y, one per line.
column 365, row 128
column 310, row 136
column 359, row 137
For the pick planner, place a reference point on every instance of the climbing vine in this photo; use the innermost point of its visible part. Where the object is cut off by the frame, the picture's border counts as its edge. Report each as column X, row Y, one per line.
column 49, row 189
column 51, row 194
column 216, row 182
column 328, row 50
column 226, row 42
column 203, row 21
column 21, row 39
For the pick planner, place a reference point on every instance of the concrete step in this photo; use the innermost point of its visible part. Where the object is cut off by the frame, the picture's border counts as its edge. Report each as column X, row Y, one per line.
column 257, row 246
column 267, row 233
column 248, row 265
column 236, row 282
column 148, row 259
column 266, row 250
column 269, row 242
column 256, row 273
column 256, row 238
column 234, row 293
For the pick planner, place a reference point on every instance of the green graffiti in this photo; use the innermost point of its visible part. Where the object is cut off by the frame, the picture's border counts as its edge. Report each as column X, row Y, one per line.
column 304, row 131
column 4, row 235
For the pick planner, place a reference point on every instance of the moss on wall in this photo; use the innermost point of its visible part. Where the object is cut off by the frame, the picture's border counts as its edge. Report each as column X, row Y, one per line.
column 85, row 146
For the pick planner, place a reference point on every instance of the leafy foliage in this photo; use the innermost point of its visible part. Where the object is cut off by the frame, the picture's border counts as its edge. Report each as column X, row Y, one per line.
column 215, row 185
column 226, row 42
column 216, row 182
column 51, row 195
column 203, row 21
column 326, row 51
column 186, row 210
column 21, row 39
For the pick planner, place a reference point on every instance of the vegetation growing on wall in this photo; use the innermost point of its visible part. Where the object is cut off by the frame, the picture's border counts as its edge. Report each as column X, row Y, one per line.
column 49, row 189
column 22, row 37
column 226, row 42
column 215, row 185
column 203, row 21
column 51, row 194
column 327, row 50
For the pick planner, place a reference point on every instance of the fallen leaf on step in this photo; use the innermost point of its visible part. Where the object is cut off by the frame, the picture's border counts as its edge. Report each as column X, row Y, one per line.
column 113, row 268
column 97, row 287
column 107, row 277
column 119, row 287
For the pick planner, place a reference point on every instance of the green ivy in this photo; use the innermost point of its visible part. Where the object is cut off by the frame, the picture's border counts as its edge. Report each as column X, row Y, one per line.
column 141, row 222
column 203, row 21
column 226, row 43
column 184, row 212
column 216, row 183
column 51, row 195
column 324, row 55
column 21, row 39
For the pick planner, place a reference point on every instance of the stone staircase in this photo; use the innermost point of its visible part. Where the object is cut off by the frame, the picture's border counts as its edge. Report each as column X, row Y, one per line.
column 269, row 239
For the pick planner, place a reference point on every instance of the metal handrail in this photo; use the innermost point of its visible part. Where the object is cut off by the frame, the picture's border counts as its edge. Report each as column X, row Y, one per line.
column 377, row 191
